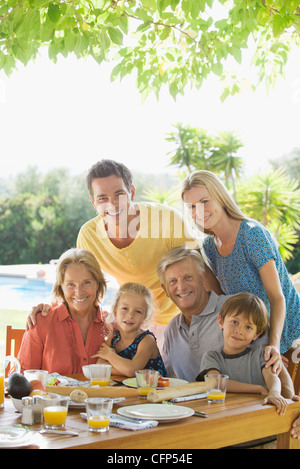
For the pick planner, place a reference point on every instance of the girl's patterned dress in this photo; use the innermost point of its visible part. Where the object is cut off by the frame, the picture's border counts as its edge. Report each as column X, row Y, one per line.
column 153, row 364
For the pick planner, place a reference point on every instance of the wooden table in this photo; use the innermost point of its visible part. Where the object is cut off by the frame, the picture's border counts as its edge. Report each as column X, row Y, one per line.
column 240, row 419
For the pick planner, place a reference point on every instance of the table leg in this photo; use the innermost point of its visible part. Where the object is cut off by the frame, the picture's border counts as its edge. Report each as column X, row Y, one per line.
column 284, row 441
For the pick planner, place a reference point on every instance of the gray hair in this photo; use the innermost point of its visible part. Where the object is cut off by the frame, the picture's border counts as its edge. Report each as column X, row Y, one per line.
column 177, row 254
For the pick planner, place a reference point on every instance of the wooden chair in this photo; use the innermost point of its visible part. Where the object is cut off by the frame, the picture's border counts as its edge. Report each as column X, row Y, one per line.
column 13, row 342
column 294, row 369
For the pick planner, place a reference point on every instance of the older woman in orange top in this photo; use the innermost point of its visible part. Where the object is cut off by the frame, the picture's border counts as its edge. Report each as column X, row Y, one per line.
column 74, row 330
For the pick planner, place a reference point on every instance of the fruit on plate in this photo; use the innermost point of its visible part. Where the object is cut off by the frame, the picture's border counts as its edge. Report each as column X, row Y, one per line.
column 37, row 392
column 36, row 388
column 163, row 382
column 18, row 386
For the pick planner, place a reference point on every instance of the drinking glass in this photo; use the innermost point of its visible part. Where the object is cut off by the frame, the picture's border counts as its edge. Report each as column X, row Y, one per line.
column 216, row 385
column 37, row 375
column 55, row 412
column 146, row 381
column 100, row 375
column 98, row 411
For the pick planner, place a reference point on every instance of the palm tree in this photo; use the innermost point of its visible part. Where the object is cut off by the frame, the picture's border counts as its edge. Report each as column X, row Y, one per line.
column 192, row 147
column 224, row 159
column 273, row 199
column 167, row 197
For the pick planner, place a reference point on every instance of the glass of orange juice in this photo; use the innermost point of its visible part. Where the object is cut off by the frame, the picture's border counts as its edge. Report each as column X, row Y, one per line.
column 216, row 386
column 2, row 372
column 55, row 412
column 100, row 374
column 98, row 411
column 146, row 381
column 1, row 390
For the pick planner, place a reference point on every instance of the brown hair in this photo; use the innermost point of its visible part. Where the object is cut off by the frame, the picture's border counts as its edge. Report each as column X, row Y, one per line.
column 106, row 168
column 85, row 258
column 251, row 306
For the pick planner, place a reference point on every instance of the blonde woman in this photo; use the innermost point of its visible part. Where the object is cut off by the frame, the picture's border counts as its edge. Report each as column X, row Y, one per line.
column 74, row 329
column 243, row 255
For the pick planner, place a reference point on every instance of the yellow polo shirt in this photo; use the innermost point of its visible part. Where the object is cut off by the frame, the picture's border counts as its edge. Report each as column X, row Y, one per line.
column 161, row 228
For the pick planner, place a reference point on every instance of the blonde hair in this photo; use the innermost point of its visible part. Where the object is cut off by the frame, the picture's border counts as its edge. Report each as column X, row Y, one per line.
column 138, row 289
column 82, row 257
column 251, row 306
column 216, row 189
column 177, row 254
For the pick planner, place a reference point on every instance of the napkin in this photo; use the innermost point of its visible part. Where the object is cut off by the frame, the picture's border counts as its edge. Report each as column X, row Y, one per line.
column 67, row 381
column 118, row 421
column 189, row 398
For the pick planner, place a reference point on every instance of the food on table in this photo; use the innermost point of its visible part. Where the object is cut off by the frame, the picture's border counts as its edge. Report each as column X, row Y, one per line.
column 95, row 391
column 18, row 386
column 163, row 382
column 37, row 388
column 78, row 396
column 53, row 381
column 172, row 392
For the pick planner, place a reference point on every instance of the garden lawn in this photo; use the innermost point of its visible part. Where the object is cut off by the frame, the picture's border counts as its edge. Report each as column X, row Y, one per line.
column 15, row 318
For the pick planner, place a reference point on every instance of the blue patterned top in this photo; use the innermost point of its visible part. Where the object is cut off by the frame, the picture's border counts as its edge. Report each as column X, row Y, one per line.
column 239, row 271
column 129, row 352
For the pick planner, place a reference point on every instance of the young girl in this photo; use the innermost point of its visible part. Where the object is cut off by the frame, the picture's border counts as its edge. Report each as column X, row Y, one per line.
column 131, row 348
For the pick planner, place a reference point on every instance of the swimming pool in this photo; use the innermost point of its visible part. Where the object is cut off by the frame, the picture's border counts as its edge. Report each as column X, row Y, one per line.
column 22, row 293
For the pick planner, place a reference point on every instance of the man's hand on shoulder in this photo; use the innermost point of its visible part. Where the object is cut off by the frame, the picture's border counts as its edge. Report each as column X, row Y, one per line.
column 31, row 319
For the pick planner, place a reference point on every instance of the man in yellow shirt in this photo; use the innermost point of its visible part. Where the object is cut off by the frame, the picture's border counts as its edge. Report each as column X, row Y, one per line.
column 129, row 238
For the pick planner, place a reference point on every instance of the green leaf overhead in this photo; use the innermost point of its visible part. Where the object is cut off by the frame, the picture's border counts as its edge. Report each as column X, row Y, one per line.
column 54, row 12
column 172, row 43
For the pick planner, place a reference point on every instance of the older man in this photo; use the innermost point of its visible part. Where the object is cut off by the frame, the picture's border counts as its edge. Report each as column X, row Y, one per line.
column 195, row 330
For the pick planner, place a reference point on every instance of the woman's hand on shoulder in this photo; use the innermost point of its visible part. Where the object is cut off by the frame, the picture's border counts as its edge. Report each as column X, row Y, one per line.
column 273, row 359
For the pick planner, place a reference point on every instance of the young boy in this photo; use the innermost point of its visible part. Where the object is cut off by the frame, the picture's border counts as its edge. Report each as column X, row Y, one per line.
column 243, row 319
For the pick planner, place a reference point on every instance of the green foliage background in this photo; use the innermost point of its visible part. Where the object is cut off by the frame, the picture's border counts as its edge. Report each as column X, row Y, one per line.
column 172, row 43
column 41, row 214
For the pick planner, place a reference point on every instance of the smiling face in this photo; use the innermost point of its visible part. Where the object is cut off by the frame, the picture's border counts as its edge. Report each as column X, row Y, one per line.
column 239, row 331
column 112, row 199
column 80, row 289
column 183, row 285
column 130, row 312
column 205, row 211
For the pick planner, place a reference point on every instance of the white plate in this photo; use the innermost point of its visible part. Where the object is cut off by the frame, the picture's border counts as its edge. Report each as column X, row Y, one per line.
column 131, row 382
column 13, row 437
column 76, row 405
column 160, row 412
